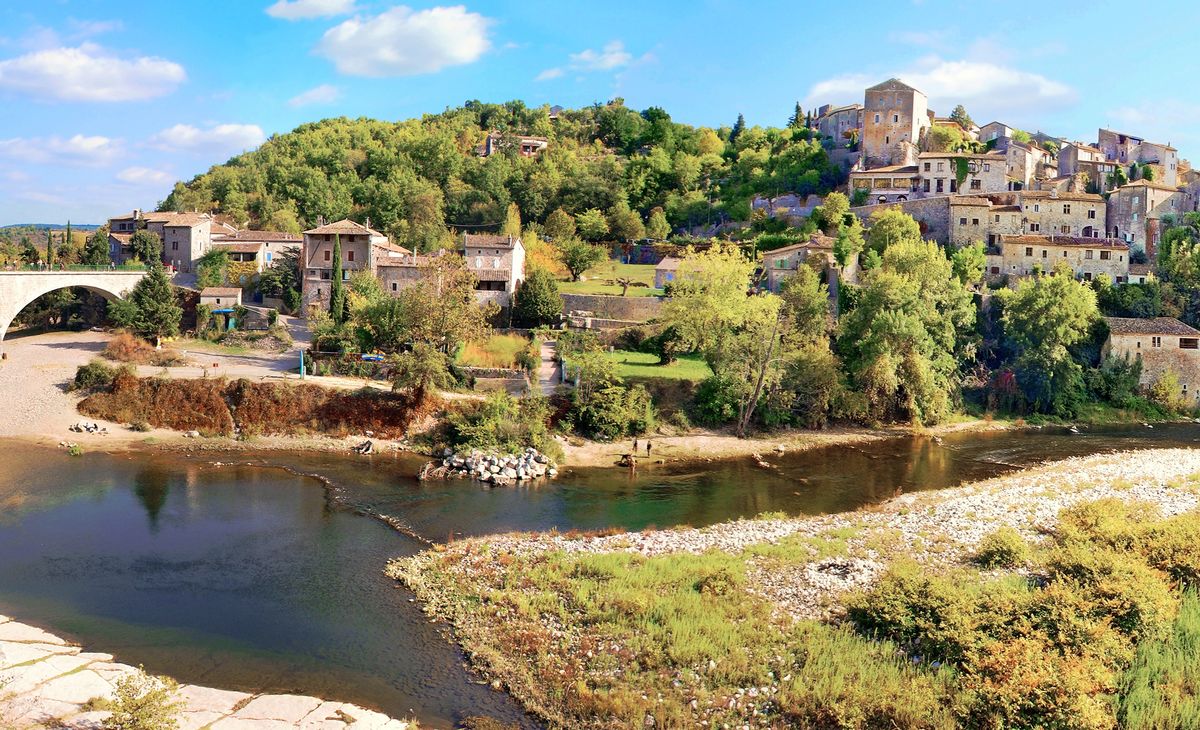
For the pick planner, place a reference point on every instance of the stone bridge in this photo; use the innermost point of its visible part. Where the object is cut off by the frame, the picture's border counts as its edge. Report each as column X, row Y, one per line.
column 18, row 289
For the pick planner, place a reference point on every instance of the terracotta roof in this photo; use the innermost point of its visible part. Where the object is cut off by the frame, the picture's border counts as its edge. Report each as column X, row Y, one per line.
column 406, row 261
column 122, row 237
column 817, row 241
column 1085, row 147
column 892, row 83
column 490, row 240
column 131, row 215
column 178, row 220
column 848, row 107
column 1140, row 269
column 670, row 263
column 389, row 246
column 1007, row 209
column 889, row 169
column 1079, row 241
column 220, row 291
column 999, row 156
column 1148, row 184
column 968, row 200
column 264, row 236
column 343, row 226
column 238, row 247
column 1155, row 326
column 1046, row 195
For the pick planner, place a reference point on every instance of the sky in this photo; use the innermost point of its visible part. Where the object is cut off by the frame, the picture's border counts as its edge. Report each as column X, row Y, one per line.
column 104, row 104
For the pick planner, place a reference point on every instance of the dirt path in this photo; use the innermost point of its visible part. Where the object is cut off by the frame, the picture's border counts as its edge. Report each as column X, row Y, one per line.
column 549, row 371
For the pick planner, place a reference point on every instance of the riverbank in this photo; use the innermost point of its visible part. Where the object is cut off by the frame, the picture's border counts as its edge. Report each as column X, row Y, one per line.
column 46, row 682
column 591, row 626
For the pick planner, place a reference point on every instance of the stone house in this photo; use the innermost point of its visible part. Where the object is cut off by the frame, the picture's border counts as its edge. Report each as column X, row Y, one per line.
column 398, row 272
column 1135, row 212
column 895, row 119
column 1126, row 149
column 816, row 252
column 1162, row 344
column 788, row 205
column 996, row 132
column 245, row 260
column 1026, row 164
column 837, row 123
column 221, row 297
column 526, row 145
column 274, row 243
column 185, row 236
column 665, row 271
column 889, row 184
column 1140, row 273
column 1017, row 256
column 939, row 173
column 498, row 262
column 1028, row 212
column 359, row 245
column 1072, row 153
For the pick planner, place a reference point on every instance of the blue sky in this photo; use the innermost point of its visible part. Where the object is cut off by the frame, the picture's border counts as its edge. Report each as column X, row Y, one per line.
column 107, row 102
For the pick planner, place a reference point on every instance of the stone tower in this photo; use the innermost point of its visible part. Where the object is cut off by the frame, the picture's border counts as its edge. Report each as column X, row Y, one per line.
column 895, row 119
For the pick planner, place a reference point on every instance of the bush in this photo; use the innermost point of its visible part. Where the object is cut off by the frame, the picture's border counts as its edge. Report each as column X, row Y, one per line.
column 1120, row 586
column 95, row 375
column 502, row 424
column 1002, row 548
column 615, row 411
column 143, row 702
column 125, row 347
column 1162, row 688
column 716, row 402
column 140, row 426
column 1173, row 546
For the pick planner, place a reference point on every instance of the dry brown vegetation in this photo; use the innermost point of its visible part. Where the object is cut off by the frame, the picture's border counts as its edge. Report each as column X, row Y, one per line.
column 125, row 347
column 214, row 406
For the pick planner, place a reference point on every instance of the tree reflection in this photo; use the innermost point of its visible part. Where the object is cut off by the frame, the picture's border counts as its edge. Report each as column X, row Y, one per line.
column 151, row 485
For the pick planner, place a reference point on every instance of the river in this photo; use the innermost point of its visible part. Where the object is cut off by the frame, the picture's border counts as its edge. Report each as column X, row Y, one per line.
column 249, row 575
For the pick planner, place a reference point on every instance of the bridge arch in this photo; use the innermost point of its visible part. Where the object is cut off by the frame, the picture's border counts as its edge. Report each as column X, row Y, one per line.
column 19, row 289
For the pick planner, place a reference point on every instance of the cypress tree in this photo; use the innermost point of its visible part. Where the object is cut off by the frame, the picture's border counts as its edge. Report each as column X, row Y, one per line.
column 67, row 238
column 49, row 248
column 337, row 294
column 738, row 127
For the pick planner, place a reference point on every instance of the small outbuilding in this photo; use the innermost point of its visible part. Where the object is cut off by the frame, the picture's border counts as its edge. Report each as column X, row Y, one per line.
column 665, row 272
column 1161, row 344
column 221, row 297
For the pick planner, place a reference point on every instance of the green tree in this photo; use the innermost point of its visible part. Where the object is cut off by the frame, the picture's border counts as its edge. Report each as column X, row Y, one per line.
column 807, row 302
column 592, row 225
column 708, row 296
column 145, row 246
column 657, row 228
column 849, row 242
column 421, row 370
column 890, row 226
column 832, row 212
column 49, row 249
column 538, row 301
column 441, row 309
column 959, row 115
column 579, row 256
column 559, row 225
column 1043, row 319
column 739, row 127
column 1117, row 177
column 150, row 310
column 282, row 278
column 337, row 293
column 95, row 251
column 625, row 223
column 144, row 702
column 797, row 120
column 969, row 263
column 512, row 221
column 1147, row 172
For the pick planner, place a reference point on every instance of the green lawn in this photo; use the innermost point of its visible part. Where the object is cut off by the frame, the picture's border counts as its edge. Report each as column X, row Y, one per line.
column 498, row 351
column 645, row 365
column 601, row 279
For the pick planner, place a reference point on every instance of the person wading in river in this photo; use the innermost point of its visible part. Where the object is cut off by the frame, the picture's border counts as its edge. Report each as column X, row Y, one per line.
column 647, row 449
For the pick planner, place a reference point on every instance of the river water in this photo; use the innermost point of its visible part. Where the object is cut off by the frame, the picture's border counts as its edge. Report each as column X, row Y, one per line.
column 252, row 575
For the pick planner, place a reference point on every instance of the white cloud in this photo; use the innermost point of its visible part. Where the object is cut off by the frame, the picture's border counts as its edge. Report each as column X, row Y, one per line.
column 550, row 73
column 304, row 9
column 992, row 88
column 323, row 94
column 401, row 42
column 613, row 55
column 144, row 176
column 77, row 151
column 89, row 73
column 220, row 139
column 88, row 28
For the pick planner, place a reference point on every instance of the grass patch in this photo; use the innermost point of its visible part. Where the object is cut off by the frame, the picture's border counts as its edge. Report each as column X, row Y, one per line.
column 497, row 351
column 1162, row 688
column 644, row 366
column 602, row 279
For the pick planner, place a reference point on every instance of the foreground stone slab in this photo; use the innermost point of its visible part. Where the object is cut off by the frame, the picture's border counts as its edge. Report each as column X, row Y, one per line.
column 51, row 684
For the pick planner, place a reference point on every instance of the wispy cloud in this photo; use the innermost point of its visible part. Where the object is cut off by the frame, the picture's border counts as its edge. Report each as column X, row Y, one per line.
column 77, row 151
column 144, row 176
column 323, row 94
column 403, row 42
column 89, row 73
column 611, row 57
column 218, row 139
column 305, row 9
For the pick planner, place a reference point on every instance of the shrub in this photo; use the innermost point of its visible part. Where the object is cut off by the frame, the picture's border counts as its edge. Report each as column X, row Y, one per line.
column 1173, row 546
column 716, row 402
column 92, row 376
column 1113, row 523
column 1119, row 585
column 502, row 424
column 125, row 347
column 615, row 411
column 75, row 450
column 1162, row 688
column 143, row 702
column 1002, row 548
column 140, row 426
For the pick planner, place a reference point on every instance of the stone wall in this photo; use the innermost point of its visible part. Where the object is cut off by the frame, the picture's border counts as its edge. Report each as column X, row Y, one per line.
column 932, row 213
column 1156, row 361
column 632, row 309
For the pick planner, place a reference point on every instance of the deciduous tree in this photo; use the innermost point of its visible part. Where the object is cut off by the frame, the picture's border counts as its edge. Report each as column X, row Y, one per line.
column 579, row 256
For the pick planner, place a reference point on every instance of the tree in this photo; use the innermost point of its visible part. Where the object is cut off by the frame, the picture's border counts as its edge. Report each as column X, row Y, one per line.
column 798, row 118
column 592, row 225
column 559, row 225
column 337, row 292
column 625, row 223
column 890, row 226
column 807, row 303
column 421, row 370
column 282, row 278
column 849, row 242
column 150, row 310
column 1043, row 319
column 738, row 128
column 49, row 249
column 143, row 702
column 960, row 116
column 512, row 221
column 1117, row 177
column 708, row 297
column 579, row 256
column 537, row 301
column 833, row 211
column 969, row 263
column 145, row 246
column 441, row 309
column 657, row 228
column 1147, row 172
column 95, row 251
column 212, row 269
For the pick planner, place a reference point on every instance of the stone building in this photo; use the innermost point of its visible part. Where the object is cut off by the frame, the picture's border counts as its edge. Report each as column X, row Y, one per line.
column 221, row 297
column 888, row 184
column 837, row 123
column 525, row 145
column 1029, row 212
column 1135, row 212
column 359, row 248
column 273, row 243
column 1162, row 344
column 939, row 173
column 498, row 262
column 185, row 236
column 895, row 119
column 816, row 252
column 665, row 271
column 1016, row 256
column 1126, row 149
column 998, row 133
column 1026, row 164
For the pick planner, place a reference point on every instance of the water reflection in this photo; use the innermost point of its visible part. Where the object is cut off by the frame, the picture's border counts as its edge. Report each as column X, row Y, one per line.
column 151, row 486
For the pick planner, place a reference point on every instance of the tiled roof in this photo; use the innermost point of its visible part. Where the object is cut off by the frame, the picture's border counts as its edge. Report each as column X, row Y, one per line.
column 670, row 263
column 1155, row 326
column 1148, row 184
column 817, row 241
column 490, row 240
column 889, row 169
column 968, row 200
column 971, row 156
column 392, row 247
column 265, row 236
column 892, row 83
column 1007, row 209
column 343, row 226
column 1140, row 269
column 238, row 247
column 1046, row 195
column 1079, row 241
column 220, row 291
column 178, row 220
column 122, row 237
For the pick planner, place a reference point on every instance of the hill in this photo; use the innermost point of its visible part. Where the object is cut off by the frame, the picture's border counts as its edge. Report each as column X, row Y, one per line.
column 417, row 180
column 49, row 227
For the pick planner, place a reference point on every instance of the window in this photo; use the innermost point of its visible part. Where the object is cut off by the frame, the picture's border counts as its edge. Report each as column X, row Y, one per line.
column 1065, row 230
column 887, row 140
column 954, row 185
column 478, row 262
column 977, row 185
column 926, row 186
column 997, row 219
column 1066, row 209
column 349, row 255
column 877, row 119
column 269, row 257
column 175, row 245
column 218, row 300
column 895, row 119
column 974, row 221
column 1135, row 216
column 1037, row 208
column 1087, row 276
column 1035, row 227
column 1043, row 253
column 941, row 167
column 939, row 185
column 394, row 287
column 1029, row 250
column 962, row 221
column 1087, row 254
column 927, row 166
column 495, row 263
column 1092, row 214
column 1105, row 255
column 1156, row 342
column 1189, row 343
column 987, row 167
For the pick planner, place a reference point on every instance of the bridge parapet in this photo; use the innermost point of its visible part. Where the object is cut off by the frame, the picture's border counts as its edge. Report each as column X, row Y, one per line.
column 18, row 289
